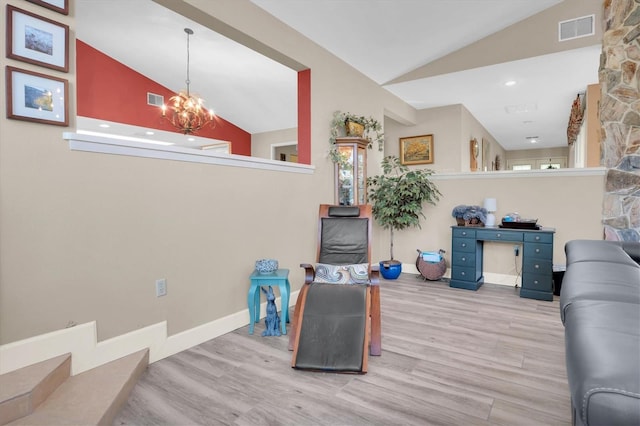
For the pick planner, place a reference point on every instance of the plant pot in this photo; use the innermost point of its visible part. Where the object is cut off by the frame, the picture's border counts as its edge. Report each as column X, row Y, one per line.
column 354, row 129
column 390, row 269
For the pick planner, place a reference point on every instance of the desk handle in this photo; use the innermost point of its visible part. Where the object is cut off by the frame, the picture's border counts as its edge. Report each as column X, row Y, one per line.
column 464, row 233
column 535, row 281
column 463, row 273
column 536, row 266
column 463, row 245
column 537, row 250
column 499, row 235
column 537, row 238
column 464, row 259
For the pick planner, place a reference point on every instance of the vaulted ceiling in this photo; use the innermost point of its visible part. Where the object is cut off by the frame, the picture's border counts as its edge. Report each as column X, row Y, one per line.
column 403, row 35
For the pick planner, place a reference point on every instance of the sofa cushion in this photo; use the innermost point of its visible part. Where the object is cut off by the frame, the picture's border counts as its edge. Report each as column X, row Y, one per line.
column 601, row 251
column 602, row 340
column 599, row 281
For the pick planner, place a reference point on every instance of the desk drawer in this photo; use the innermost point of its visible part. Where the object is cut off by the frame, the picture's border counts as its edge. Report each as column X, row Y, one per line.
column 464, row 233
column 499, row 235
column 463, row 245
column 537, row 282
column 537, row 266
column 534, row 250
column 539, row 237
column 463, row 258
column 463, row 274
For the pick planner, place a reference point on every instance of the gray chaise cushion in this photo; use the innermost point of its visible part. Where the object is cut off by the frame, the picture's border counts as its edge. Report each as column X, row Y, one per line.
column 333, row 328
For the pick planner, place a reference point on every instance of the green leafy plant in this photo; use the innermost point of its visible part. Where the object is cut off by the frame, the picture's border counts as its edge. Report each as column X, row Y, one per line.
column 397, row 195
column 372, row 131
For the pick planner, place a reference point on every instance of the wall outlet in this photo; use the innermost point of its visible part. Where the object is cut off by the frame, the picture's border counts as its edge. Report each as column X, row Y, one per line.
column 516, row 250
column 161, row 287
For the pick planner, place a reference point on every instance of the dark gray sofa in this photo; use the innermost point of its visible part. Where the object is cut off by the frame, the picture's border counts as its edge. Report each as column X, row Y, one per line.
column 600, row 309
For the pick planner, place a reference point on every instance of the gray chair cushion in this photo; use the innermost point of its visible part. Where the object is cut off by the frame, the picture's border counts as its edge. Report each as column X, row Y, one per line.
column 344, row 241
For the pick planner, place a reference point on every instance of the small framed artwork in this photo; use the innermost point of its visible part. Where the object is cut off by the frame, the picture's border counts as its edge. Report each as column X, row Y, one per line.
column 60, row 6
column 416, row 150
column 36, row 97
column 37, row 40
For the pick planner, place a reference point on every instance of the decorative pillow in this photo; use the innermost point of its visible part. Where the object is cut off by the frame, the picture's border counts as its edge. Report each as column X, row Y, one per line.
column 342, row 274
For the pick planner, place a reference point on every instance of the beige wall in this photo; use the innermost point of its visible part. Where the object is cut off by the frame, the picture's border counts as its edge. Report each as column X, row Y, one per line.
column 261, row 142
column 84, row 236
column 555, row 198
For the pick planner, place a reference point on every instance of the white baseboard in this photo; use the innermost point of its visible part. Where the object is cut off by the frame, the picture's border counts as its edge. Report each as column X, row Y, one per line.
column 489, row 277
column 87, row 353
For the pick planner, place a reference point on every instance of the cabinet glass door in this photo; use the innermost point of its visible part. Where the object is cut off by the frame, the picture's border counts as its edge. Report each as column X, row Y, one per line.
column 351, row 172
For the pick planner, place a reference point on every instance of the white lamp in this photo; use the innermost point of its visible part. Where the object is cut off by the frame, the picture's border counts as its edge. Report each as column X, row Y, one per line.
column 490, row 205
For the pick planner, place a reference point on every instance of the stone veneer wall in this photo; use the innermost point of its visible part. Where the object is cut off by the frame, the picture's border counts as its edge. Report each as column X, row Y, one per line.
column 620, row 117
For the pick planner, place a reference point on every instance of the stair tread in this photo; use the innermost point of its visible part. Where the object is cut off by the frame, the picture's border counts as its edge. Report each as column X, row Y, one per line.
column 93, row 397
column 24, row 380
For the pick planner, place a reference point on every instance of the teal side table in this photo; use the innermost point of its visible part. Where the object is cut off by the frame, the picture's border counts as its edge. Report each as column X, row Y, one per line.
column 279, row 278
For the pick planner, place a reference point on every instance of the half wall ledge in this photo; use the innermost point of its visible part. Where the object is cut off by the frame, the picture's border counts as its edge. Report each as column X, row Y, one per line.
column 124, row 146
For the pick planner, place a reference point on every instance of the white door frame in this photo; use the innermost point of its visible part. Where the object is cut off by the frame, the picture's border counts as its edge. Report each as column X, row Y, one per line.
column 278, row 145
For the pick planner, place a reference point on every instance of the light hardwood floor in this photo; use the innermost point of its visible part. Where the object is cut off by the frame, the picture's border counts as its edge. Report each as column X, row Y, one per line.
column 449, row 357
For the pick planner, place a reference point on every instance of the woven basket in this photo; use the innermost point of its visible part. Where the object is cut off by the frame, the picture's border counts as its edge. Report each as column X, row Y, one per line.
column 431, row 271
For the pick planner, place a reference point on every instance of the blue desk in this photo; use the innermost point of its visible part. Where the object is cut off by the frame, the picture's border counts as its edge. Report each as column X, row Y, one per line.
column 537, row 252
column 279, row 278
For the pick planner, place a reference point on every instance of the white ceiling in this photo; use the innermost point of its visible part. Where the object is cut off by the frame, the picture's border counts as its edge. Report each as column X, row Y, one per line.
column 405, row 35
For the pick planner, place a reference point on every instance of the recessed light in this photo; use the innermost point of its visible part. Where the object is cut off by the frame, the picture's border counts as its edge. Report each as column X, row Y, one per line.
column 104, row 126
column 510, row 83
column 191, row 139
column 516, row 109
column 533, row 139
column 149, row 132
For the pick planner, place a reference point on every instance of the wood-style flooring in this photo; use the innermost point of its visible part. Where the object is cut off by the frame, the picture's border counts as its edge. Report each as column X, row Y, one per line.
column 449, row 357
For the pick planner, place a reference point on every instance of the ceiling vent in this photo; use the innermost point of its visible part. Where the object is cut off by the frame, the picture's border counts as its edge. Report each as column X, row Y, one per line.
column 576, row 28
column 155, row 100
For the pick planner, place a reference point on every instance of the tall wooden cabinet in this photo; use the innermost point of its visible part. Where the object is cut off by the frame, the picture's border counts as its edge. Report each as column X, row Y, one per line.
column 351, row 171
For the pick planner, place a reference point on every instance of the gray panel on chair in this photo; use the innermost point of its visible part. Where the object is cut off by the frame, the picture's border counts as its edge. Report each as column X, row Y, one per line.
column 333, row 329
column 344, row 241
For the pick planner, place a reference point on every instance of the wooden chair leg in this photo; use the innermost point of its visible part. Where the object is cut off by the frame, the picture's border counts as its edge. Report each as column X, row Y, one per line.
column 376, row 329
column 293, row 329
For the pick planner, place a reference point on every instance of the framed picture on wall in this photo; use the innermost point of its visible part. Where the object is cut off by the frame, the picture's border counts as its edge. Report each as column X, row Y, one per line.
column 37, row 40
column 60, row 6
column 416, row 150
column 36, row 97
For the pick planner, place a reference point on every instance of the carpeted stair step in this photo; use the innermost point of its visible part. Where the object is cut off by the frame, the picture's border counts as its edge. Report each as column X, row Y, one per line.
column 91, row 398
column 23, row 390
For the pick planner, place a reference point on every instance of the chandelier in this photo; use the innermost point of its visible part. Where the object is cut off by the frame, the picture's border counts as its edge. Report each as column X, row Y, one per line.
column 187, row 112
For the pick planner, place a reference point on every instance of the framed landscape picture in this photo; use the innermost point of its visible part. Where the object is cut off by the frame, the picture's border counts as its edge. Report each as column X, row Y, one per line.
column 36, row 97
column 37, row 40
column 416, row 150
column 60, row 6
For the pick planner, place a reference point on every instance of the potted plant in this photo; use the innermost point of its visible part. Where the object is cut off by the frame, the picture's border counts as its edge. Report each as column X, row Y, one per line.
column 341, row 125
column 396, row 198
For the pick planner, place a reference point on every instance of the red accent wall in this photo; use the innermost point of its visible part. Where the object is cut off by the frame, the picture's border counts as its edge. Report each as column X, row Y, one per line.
column 111, row 91
column 304, row 116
